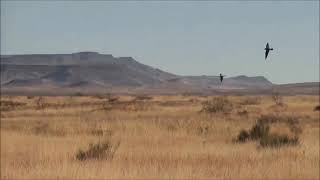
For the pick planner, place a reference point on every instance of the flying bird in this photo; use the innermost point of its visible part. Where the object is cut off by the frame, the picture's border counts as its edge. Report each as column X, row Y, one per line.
column 221, row 77
column 267, row 51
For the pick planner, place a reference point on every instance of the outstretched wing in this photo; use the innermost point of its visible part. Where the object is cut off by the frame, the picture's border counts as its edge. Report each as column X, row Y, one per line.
column 266, row 54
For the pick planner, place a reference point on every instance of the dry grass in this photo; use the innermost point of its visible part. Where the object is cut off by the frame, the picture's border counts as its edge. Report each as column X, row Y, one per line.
column 170, row 140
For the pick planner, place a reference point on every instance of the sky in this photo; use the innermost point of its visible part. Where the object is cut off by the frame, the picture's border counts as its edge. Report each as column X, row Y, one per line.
column 181, row 37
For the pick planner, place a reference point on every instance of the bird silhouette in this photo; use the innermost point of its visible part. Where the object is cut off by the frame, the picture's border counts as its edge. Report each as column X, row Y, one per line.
column 221, row 77
column 267, row 51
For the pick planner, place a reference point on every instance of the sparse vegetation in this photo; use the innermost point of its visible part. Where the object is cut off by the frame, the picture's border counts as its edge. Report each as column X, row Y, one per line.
column 217, row 105
column 78, row 94
column 99, row 151
column 112, row 98
column 97, row 132
column 142, row 98
column 41, row 128
column 114, row 104
column 277, row 99
column 9, row 105
column 251, row 101
column 44, row 129
column 168, row 140
column 30, row 97
column 40, row 104
column 244, row 113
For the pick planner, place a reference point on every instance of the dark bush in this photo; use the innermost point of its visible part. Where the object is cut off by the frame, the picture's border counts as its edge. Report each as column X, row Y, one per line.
column 317, row 108
column 275, row 140
column 243, row 136
column 98, row 151
column 259, row 130
column 81, row 155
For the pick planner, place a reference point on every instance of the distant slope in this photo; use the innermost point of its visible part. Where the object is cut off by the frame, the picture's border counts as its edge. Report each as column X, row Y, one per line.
column 298, row 88
column 91, row 72
column 94, row 68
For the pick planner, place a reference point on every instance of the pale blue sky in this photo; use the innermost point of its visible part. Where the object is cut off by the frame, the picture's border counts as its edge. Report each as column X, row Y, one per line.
column 182, row 37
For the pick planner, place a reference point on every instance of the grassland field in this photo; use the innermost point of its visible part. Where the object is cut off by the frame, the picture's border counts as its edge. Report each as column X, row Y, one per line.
column 153, row 137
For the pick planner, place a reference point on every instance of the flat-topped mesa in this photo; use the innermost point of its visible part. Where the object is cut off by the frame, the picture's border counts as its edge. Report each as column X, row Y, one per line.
column 126, row 58
column 78, row 58
column 87, row 53
column 93, row 70
column 90, row 55
column 244, row 77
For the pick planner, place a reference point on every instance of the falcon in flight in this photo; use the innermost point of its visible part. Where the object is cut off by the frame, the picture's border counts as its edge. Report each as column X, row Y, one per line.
column 221, row 77
column 267, row 51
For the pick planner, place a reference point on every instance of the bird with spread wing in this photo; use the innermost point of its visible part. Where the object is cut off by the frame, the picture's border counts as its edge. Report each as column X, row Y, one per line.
column 267, row 49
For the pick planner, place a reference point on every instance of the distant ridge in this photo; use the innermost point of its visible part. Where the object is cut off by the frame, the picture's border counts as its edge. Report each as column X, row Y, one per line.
column 94, row 73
